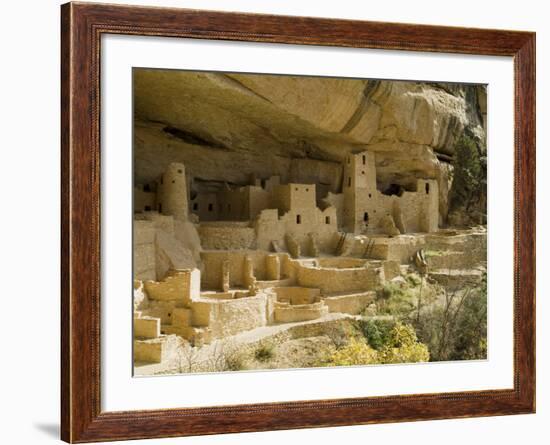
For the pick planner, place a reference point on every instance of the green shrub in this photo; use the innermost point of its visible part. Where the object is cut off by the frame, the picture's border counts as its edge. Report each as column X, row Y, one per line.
column 357, row 352
column 340, row 333
column 471, row 327
column 403, row 346
column 457, row 328
column 401, row 299
column 264, row 352
column 395, row 343
column 377, row 332
column 413, row 279
column 468, row 194
column 395, row 299
column 235, row 362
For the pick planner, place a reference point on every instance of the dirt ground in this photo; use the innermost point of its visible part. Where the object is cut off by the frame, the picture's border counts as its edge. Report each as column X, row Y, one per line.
column 296, row 353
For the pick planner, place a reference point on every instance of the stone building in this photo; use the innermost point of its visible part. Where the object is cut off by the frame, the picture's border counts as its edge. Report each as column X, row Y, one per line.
column 397, row 210
column 295, row 217
column 268, row 215
column 144, row 198
column 235, row 204
column 214, row 264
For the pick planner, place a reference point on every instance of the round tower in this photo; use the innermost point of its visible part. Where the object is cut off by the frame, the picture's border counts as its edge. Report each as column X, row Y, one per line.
column 172, row 192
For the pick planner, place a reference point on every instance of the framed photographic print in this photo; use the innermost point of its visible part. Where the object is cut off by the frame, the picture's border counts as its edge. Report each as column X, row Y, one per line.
column 277, row 222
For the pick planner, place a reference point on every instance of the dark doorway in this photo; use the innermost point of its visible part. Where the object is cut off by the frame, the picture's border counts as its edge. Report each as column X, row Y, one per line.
column 394, row 189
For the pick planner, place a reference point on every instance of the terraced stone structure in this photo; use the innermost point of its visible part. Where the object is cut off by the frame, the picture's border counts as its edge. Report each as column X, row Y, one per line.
column 204, row 281
column 258, row 213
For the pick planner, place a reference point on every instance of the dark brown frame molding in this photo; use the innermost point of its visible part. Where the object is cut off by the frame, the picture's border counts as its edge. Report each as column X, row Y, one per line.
column 82, row 25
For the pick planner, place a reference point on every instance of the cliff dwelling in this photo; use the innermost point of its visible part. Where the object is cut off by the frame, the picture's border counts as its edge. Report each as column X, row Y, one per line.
column 263, row 220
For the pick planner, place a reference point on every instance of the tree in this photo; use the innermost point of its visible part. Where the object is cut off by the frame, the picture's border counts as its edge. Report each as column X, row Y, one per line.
column 467, row 175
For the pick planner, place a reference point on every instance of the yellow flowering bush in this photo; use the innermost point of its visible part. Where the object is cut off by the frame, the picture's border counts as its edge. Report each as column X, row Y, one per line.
column 402, row 347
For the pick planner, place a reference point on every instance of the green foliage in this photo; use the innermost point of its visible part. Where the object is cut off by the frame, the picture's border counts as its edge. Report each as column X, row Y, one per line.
column 453, row 325
column 264, row 352
column 413, row 279
column 457, row 328
column 357, row 352
column 340, row 333
column 377, row 332
column 235, row 362
column 471, row 336
column 469, row 175
column 467, row 169
column 396, row 299
column 401, row 299
column 384, row 342
column 403, row 346
column 432, row 253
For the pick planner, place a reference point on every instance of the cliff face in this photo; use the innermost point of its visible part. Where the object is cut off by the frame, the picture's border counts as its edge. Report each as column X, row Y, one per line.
column 226, row 127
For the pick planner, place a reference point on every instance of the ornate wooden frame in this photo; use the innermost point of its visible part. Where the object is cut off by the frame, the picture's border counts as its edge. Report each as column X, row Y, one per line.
column 81, row 28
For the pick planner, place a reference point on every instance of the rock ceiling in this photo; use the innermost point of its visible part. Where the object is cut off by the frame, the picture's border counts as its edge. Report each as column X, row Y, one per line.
column 227, row 126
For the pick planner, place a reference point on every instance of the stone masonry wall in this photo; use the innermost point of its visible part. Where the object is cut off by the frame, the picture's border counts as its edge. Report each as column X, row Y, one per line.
column 144, row 251
column 229, row 317
column 227, row 237
column 213, row 263
column 331, row 280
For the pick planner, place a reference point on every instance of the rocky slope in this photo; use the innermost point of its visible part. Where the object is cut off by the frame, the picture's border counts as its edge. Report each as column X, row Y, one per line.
column 226, row 127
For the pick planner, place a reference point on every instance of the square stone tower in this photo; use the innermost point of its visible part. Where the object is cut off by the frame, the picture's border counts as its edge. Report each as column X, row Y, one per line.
column 294, row 197
column 359, row 188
